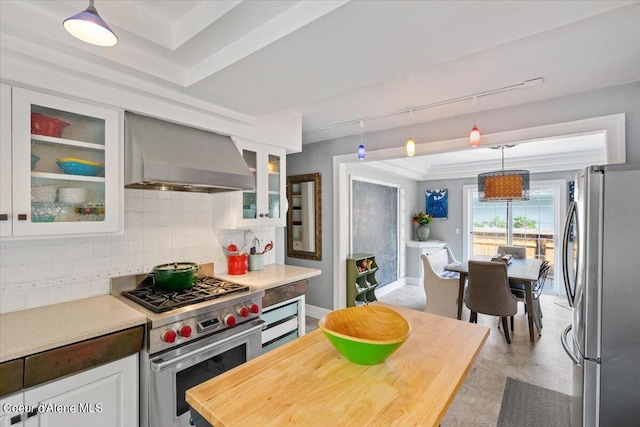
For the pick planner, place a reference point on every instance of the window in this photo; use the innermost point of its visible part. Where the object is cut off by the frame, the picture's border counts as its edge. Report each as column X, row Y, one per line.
column 534, row 224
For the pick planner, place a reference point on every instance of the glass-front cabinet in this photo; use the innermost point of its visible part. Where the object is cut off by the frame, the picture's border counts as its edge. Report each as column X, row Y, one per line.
column 5, row 160
column 65, row 166
column 266, row 203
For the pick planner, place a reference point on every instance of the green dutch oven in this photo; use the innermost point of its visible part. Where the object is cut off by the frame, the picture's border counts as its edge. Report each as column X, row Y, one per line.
column 175, row 276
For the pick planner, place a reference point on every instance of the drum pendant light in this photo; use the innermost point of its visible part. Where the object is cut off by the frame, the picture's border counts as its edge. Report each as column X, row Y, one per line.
column 411, row 145
column 474, row 135
column 361, row 150
column 89, row 27
column 503, row 185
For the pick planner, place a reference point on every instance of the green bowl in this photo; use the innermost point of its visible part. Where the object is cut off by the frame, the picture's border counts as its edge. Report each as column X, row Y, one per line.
column 366, row 335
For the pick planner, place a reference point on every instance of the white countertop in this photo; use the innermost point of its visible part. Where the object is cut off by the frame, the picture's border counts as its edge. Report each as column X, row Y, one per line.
column 426, row 244
column 31, row 331
column 271, row 276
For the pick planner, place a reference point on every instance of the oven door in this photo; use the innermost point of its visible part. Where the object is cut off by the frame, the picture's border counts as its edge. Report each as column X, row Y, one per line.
column 174, row 372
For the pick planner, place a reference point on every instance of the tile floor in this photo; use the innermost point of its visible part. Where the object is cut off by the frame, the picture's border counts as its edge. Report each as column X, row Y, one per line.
column 543, row 362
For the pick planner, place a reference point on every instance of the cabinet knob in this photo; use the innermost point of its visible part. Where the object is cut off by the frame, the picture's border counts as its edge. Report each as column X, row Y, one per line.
column 229, row 320
column 22, row 217
column 262, row 215
column 169, row 336
column 185, row 331
column 4, row 217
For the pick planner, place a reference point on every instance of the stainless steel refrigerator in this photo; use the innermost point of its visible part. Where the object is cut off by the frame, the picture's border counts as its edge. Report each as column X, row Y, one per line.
column 601, row 265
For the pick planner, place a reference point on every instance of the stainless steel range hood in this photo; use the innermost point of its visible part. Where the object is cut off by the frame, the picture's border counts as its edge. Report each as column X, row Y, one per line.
column 160, row 155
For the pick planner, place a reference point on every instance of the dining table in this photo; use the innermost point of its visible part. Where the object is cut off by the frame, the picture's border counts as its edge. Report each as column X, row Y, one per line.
column 524, row 270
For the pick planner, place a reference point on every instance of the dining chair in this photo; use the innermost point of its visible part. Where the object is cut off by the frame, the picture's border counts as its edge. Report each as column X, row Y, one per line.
column 488, row 293
column 441, row 292
column 518, row 252
column 518, row 291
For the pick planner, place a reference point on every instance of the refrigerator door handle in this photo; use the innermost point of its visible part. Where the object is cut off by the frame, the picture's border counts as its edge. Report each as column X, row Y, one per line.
column 565, row 345
column 565, row 252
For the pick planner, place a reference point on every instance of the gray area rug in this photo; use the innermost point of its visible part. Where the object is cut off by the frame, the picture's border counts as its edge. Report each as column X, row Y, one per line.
column 528, row 405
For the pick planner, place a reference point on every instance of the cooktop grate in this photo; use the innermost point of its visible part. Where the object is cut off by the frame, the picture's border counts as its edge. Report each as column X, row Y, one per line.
column 159, row 301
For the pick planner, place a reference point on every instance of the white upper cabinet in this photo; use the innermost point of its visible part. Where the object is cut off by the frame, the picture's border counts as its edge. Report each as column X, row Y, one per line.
column 65, row 166
column 267, row 203
column 5, row 160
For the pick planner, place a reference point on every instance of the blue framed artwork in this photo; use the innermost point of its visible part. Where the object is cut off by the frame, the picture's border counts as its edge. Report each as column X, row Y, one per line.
column 437, row 201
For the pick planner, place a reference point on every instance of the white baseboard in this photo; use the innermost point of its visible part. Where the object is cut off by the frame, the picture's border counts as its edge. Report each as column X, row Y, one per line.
column 315, row 312
column 415, row 281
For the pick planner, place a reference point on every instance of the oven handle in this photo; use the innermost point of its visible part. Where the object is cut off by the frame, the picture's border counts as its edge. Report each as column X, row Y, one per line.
column 161, row 366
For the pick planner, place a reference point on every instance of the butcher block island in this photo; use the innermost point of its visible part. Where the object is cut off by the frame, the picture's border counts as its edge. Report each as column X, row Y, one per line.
column 308, row 383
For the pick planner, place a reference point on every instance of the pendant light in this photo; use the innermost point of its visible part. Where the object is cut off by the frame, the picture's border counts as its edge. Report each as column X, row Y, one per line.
column 411, row 145
column 503, row 185
column 474, row 135
column 361, row 150
column 89, row 27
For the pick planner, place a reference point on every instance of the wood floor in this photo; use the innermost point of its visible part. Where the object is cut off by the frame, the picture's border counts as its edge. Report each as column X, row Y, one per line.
column 543, row 362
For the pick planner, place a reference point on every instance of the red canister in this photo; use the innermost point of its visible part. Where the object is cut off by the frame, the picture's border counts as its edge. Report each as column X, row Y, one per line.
column 237, row 264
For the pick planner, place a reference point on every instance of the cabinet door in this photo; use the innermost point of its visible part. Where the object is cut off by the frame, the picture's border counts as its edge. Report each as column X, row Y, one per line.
column 106, row 396
column 9, row 411
column 66, row 166
column 5, row 160
column 275, row 194
column 266, row 204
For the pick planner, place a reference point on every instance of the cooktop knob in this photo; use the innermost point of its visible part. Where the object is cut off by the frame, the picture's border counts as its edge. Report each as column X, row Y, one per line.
column 229, row 320
column 255, row 308
column 169, row 336
column 185, row 331
column 243, row 312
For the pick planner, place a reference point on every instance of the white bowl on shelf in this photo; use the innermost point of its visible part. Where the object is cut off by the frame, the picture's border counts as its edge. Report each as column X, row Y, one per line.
column 44, row 194
column 72, row 196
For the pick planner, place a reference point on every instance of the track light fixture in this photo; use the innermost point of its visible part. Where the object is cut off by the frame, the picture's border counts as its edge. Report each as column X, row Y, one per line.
column 361, row 150
column 411, row 145
column 474, row 135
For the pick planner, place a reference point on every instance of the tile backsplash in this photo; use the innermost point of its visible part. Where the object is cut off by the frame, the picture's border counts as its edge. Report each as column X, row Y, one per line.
column 160, row 227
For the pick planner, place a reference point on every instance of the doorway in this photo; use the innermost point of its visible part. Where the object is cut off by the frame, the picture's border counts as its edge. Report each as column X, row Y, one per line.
column 393, row 161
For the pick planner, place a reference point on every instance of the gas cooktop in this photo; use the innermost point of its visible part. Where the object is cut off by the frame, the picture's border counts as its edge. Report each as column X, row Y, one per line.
column 158, row 301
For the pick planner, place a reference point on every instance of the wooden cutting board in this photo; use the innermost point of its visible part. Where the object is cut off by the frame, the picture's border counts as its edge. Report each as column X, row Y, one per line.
column 308, row 383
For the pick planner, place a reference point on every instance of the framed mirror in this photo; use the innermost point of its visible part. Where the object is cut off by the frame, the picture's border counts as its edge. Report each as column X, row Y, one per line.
column 304, row 217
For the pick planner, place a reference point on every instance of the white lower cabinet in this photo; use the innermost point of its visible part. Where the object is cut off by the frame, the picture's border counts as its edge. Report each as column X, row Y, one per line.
column 415, row 250
column 284, row 322
column 10, row 414
column 106, row 396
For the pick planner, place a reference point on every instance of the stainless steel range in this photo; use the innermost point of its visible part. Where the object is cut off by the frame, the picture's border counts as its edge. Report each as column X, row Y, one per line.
column 192, row 335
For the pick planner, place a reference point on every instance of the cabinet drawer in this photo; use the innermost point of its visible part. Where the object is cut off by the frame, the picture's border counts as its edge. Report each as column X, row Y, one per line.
column 270, row 345
column 280, row 313
column 11, row 376
column 279, row 330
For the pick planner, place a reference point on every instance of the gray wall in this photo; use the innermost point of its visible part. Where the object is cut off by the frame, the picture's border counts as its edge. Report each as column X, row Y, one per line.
column 318, row 157
column 374, row 226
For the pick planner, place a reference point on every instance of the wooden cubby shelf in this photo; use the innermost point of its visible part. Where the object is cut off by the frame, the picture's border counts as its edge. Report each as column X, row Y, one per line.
column 361, row 280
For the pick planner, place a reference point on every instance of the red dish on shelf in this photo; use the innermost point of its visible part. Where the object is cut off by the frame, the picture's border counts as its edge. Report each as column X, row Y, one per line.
column 48, row 126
